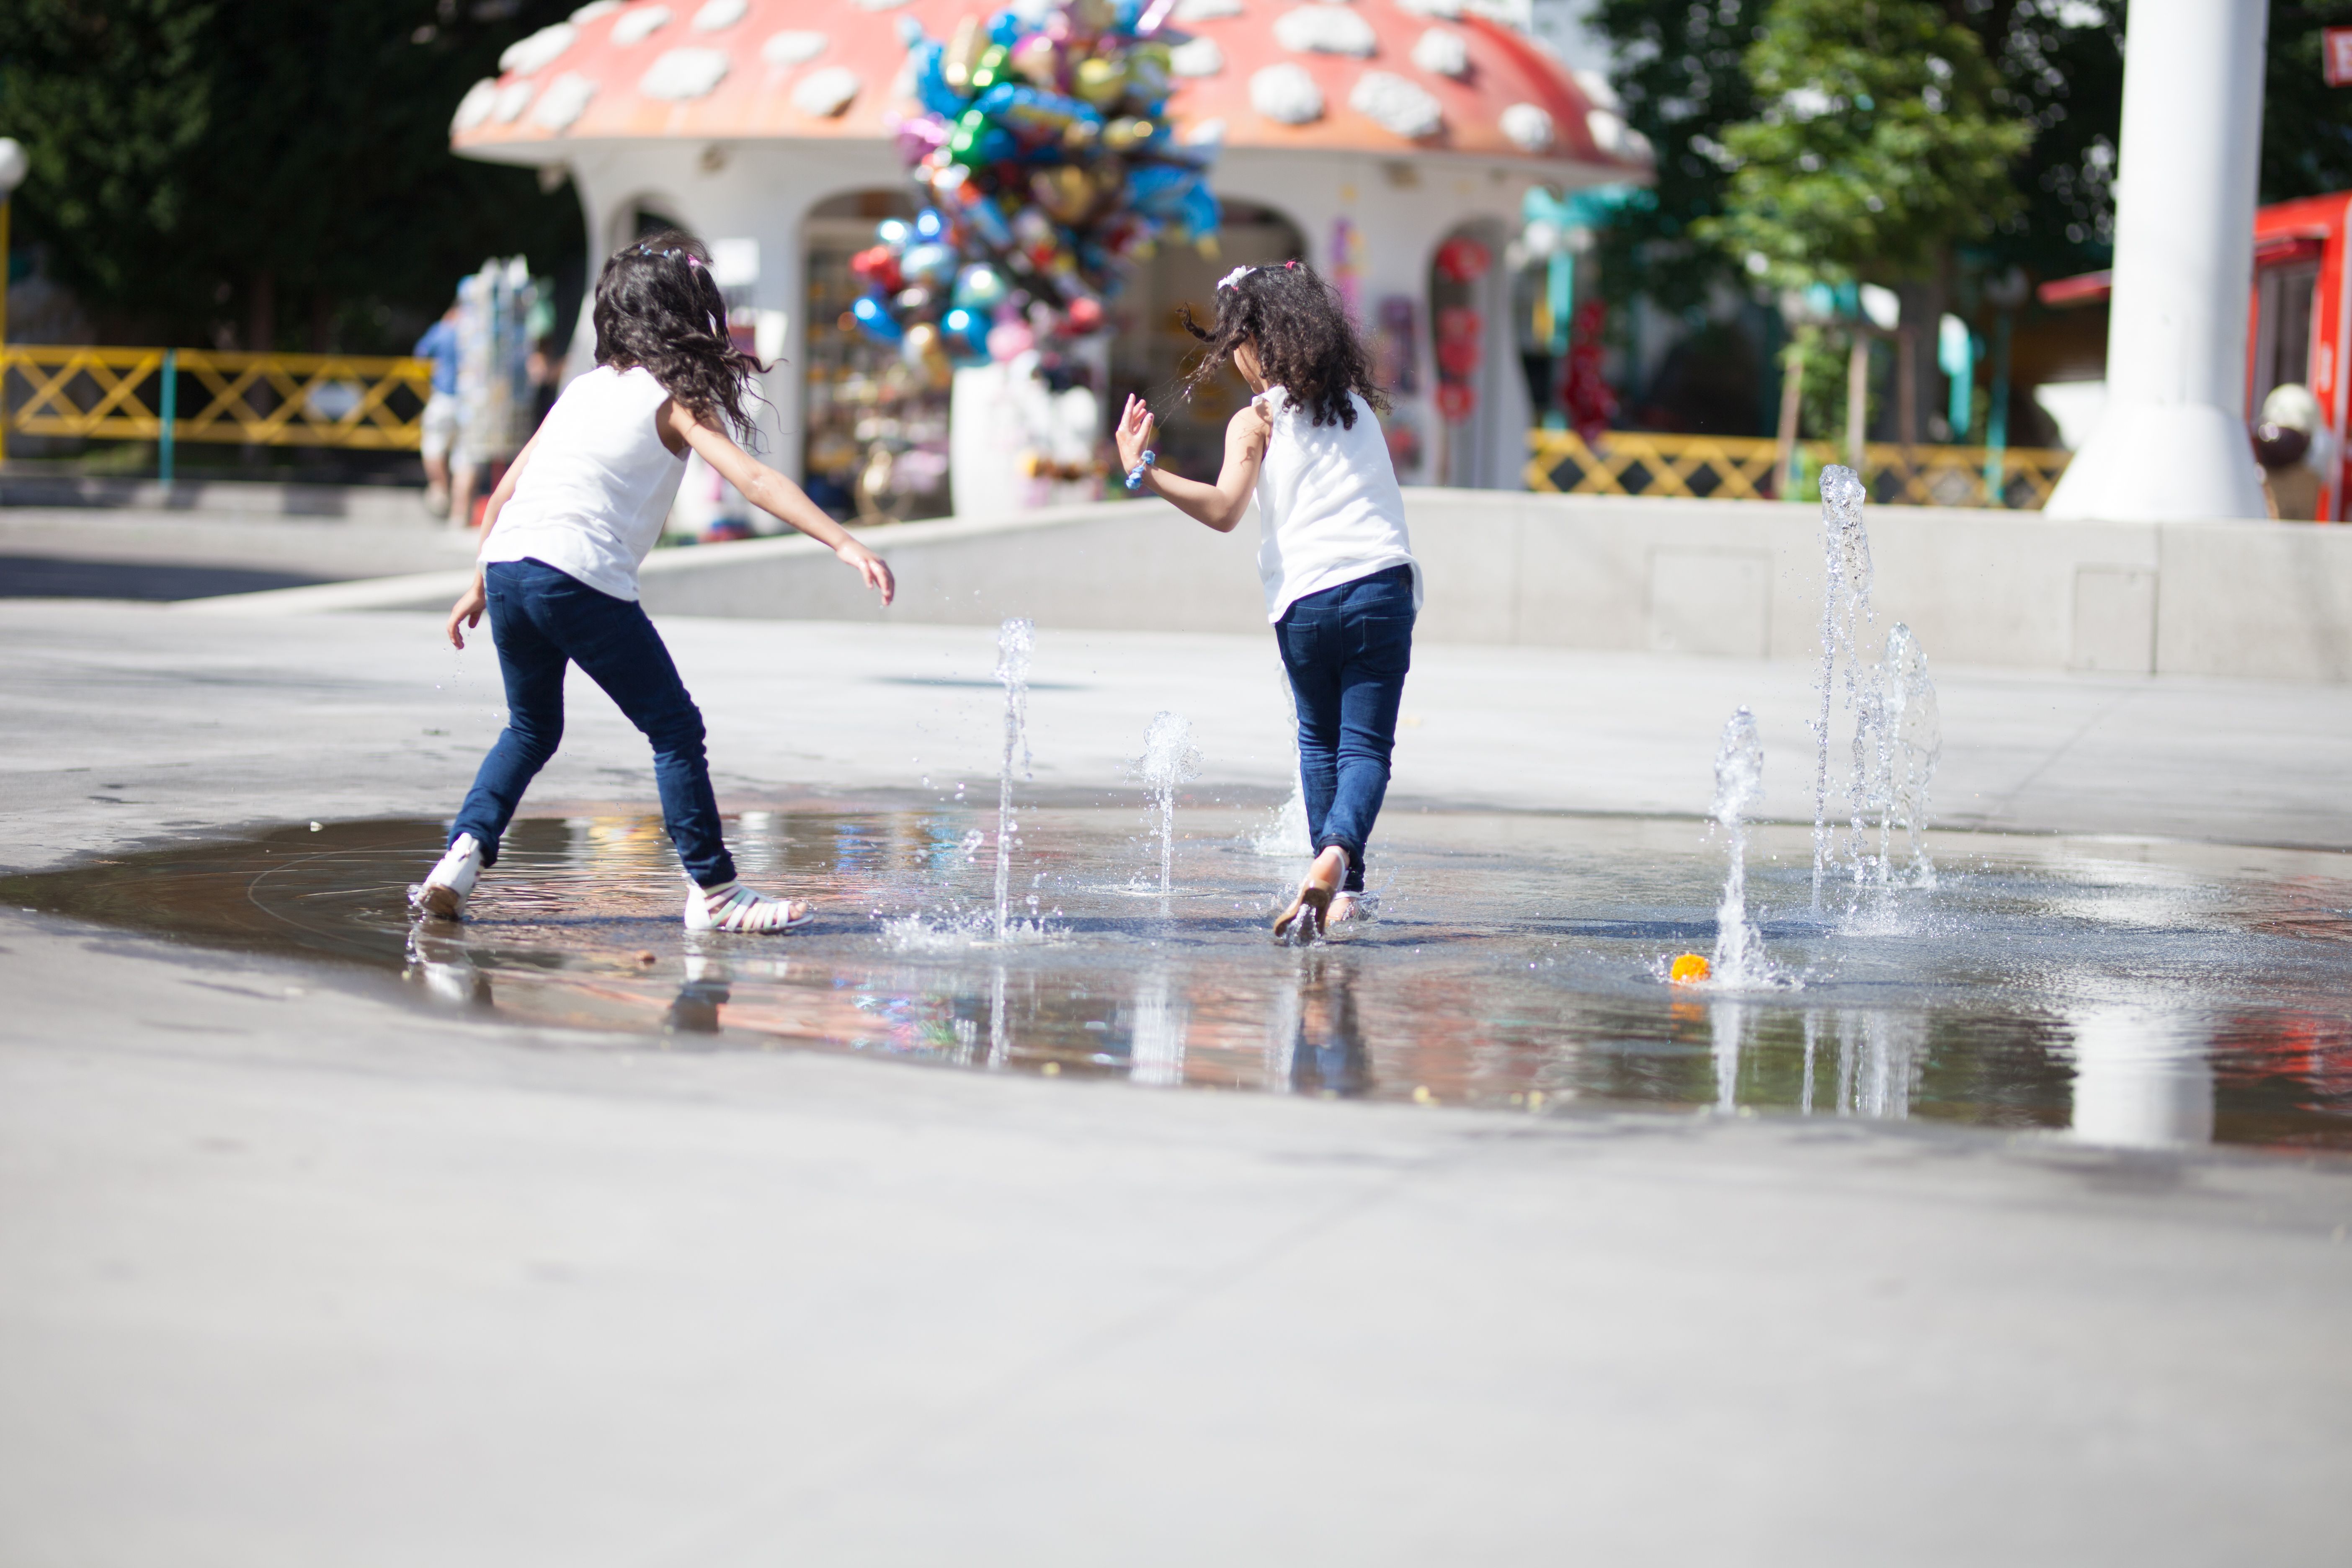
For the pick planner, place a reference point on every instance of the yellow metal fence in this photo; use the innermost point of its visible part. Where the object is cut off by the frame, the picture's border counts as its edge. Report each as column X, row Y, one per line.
column 168, row 396
column 377, row 403
column 1736, row 468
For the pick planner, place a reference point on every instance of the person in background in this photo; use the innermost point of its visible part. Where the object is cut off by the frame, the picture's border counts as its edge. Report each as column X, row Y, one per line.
column 2290, row 445
column 544, row 365
column 439, row 344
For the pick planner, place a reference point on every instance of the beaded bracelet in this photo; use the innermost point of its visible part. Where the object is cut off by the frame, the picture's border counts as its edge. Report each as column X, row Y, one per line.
column 1135, row 474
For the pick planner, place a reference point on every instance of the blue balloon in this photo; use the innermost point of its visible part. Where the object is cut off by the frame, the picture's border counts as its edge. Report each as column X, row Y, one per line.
column 931, row 88
column 1198, row 213
column 1005, row 29
column 932, row 265
column 930, row 225
column 875, row 317
column 980, row 286
column 966, row 331
column 986, row 216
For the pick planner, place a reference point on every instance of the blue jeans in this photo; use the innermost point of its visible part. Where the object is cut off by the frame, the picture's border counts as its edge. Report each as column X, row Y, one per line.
column 1347, row 649
column 544, row 619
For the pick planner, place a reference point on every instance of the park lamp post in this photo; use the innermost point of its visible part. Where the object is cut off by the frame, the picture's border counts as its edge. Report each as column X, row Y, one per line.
column 12, row 165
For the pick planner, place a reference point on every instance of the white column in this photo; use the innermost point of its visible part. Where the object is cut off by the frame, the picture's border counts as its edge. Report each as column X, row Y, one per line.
column 2172, row 443
column 2142, row 1080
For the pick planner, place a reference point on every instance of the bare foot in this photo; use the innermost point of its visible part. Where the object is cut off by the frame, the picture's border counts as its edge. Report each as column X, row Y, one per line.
column 1310, row 907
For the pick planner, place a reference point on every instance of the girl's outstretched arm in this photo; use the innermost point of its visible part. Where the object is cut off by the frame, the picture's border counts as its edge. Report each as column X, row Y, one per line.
column 774, row 494
column 1220, row 505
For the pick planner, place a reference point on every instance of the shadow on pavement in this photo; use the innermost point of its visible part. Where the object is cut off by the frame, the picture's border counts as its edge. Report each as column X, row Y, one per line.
column 49, row 577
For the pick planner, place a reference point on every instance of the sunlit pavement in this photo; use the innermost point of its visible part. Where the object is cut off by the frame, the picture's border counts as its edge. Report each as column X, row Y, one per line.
column 293, row 1272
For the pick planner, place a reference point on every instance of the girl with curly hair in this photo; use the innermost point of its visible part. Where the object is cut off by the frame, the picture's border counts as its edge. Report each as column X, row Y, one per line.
column 562, row 541
column 1341, row 584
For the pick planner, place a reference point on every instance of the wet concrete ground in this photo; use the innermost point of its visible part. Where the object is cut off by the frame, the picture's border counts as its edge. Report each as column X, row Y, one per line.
column 293, row 1269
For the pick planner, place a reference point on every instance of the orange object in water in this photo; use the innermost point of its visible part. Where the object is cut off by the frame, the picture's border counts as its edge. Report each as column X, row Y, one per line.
column 1689, row 969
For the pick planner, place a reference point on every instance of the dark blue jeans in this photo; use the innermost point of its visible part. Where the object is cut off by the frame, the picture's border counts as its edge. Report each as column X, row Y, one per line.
column 544, row 619
column 1347, row 649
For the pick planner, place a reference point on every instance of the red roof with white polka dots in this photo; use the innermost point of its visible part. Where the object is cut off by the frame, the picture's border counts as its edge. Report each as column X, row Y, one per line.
column 1363, row 76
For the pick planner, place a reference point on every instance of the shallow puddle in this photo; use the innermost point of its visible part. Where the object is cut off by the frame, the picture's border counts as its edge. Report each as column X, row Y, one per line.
column 2138, row 992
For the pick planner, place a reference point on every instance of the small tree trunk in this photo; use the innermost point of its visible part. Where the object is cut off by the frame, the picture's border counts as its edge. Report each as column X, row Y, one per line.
column 1857, row 398
column 1793, row 396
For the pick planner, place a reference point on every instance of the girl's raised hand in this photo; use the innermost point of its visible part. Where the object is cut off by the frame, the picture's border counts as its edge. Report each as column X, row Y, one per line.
column 1136, row 427
column 870, row 566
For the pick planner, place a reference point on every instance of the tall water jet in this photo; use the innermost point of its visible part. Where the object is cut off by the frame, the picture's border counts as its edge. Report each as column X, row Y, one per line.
column 1169, row 759
column 1738, row 787
column 1015, row 639
column 1845, row 609
column 1911, row 742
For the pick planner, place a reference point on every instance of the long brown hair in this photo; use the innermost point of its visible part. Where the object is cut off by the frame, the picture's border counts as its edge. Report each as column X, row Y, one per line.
column 1305, row 341
column 657, row 305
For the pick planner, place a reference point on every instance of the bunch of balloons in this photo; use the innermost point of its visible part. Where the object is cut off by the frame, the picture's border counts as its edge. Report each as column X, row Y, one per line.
column 1043, row 146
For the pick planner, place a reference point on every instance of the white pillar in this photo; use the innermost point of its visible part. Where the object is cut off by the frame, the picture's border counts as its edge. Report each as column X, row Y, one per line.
column 2141, row 1080
column 2172, row 443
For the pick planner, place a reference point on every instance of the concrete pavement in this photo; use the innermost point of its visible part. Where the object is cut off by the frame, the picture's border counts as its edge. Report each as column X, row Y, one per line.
column 291, row 1271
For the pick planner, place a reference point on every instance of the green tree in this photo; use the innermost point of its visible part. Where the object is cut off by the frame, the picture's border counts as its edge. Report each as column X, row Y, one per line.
column 275, row 172
column 1877, row 147
column 2307, row 124
column 1681, row 74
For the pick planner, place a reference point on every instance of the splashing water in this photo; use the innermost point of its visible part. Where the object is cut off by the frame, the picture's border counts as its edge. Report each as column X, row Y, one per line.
column 1739, row 786
column 1911, row 743
column 1284, row 836
column 1169, row 759
column 1015, row 641
column 1845, row 610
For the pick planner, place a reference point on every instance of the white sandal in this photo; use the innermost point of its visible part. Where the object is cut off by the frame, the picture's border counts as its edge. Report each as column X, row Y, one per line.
column 732, row 907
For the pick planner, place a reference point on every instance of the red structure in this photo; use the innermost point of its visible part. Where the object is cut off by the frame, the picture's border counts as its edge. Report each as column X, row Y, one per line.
column 2299, row 322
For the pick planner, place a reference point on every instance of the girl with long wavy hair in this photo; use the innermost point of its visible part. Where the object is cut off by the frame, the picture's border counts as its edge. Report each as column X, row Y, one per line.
column 1341, row 584
column 563, row 536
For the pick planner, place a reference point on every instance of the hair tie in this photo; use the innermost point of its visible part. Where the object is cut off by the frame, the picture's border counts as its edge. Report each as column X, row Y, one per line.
column 1291, row 265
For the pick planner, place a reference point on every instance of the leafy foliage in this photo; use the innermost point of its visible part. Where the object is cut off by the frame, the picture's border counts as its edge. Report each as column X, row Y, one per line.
column 1878, row 144
column 1683, row 73
column 1682, row 77
column 2307, row 124
column 203, row 169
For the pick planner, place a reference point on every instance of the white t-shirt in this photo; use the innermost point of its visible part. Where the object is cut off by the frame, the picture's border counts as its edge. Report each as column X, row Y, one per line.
column 1329, row 508
column 592, row 500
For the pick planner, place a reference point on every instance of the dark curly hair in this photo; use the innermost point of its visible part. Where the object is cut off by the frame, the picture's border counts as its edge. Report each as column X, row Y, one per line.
column 657, row 305
column 1305, row 341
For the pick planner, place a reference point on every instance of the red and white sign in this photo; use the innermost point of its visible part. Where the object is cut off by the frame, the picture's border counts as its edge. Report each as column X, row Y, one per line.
column 2335, row 55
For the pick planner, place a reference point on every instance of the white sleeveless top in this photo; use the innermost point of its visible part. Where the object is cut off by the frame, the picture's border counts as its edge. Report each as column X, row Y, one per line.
column 1329, row 508
column 599, row 485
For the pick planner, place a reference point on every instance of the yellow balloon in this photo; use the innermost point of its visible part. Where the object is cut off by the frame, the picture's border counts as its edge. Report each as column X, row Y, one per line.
column 1100, row 82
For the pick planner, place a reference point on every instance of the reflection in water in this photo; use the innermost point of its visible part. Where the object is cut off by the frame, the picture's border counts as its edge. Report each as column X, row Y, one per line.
column 1729, row 1022
column 2135, row 993
column 2141, row 1079
column 1327, row 1047
column 694, row 1009
column 1156, row 1044
column 446, row 971
column 1878, row 1057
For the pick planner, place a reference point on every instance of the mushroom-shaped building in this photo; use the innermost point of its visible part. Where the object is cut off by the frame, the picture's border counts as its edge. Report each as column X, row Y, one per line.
column 1362, row 135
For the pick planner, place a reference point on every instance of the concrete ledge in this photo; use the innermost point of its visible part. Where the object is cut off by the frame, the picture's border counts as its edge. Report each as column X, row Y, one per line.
column 219, row 498
column 1728, row 579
